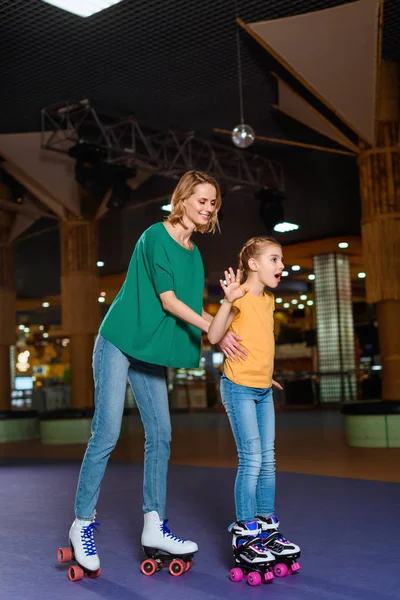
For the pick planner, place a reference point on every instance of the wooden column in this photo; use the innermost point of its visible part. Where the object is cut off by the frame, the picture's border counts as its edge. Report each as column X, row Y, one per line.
column 7, row 309
column 380, row 195
column 80, row 307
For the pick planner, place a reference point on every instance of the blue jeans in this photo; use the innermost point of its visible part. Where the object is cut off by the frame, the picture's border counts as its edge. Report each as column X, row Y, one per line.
column 111, row 370
column 252, row 418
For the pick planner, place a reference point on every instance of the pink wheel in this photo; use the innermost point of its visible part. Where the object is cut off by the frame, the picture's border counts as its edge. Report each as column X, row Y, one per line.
column 94, row 574
column 177, row 567
column 188, row 565
column 268, row 577
column 148, row 567
column 236, row 574
column 295, row 567
column 254, row 579
column 75, row 573
column 281, row 570
column 64, row 555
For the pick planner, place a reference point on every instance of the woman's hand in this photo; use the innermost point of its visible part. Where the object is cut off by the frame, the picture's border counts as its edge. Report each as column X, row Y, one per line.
column 231, row 286
column 231, row 347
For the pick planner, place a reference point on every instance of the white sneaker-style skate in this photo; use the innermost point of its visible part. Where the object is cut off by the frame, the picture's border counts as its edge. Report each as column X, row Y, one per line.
column 252, row 559
column 285, row 552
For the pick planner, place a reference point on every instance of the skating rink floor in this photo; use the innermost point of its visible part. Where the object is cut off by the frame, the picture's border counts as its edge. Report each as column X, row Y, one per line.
column 347, row 522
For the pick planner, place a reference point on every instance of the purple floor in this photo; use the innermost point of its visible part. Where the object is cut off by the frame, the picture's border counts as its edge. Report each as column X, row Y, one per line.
column 349, row 531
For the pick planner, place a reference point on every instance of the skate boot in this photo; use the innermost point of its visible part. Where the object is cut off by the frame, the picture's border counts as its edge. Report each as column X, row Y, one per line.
column 252, row 559
column 159, row 544
column 82, row 550
column 286, row 553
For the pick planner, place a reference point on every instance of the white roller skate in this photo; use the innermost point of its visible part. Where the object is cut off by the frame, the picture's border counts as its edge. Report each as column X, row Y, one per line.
column 252, row 559
column 82, row 550
column 159, row 544
column 285, row 552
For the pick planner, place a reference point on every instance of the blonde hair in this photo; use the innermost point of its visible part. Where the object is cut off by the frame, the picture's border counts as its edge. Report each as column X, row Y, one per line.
column 185, row 188
column 251, row 249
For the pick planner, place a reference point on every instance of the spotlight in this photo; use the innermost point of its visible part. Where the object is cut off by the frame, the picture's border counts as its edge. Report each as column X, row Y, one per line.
column 120, row 192
column 271, row 207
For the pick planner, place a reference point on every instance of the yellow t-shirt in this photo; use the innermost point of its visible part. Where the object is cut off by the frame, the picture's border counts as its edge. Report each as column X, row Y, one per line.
column 254, row 323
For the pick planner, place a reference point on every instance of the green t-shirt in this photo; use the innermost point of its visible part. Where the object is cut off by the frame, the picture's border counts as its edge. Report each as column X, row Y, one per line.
column 136, row 322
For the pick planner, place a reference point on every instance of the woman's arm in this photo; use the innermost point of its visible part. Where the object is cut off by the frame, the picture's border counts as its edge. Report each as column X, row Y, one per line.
column 221, row 322
column 176, row 307
column 207, row 316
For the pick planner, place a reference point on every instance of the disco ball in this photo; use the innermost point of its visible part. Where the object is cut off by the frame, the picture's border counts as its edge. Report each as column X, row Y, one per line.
column 243, row 136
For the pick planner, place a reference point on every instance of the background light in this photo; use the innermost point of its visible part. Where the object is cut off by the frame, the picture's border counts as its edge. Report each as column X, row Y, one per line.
column 296, row 268
column 343, row 245
column 311, row 277
column 100, row 263
column 285, row 227
column 83, row 8
column 362, row 275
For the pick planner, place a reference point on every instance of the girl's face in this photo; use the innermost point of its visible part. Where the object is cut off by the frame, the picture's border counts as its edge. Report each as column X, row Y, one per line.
column 200, row 206
column 269, row 265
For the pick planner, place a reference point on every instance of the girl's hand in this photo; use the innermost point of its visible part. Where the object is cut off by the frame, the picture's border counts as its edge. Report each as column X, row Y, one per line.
column 277, row 385
column 231, row 287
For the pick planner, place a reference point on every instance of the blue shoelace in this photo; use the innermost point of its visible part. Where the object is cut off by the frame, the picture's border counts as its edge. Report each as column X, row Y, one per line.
column 168, row 533
column 87, row 539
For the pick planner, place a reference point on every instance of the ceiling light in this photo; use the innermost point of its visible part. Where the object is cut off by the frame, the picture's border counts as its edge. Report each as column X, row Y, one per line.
column 286, row 305
column 83, row 8
column 301, row 306
column 278, row 300
column 303, row 297
column 285, row 227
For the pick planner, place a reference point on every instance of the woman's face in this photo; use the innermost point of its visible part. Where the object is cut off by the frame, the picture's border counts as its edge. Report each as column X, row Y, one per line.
column 201, row 205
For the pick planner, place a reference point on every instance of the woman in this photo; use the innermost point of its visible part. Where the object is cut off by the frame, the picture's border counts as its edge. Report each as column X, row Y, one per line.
column 155, row 321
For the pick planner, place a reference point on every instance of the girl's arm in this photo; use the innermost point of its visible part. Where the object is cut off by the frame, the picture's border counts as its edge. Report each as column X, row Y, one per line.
column 221, row 322
column 171, row 304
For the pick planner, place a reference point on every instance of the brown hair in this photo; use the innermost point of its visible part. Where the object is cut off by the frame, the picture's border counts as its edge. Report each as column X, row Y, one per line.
column 185, row 188
column 251, row 249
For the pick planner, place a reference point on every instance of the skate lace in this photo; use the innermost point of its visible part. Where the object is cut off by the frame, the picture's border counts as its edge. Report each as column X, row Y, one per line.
column 166, row 531
column 87, row 539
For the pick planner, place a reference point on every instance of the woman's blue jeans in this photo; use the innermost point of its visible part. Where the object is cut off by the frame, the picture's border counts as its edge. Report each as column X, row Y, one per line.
column 111, row 370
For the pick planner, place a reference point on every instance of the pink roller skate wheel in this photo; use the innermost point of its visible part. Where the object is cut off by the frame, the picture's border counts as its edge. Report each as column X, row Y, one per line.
column 236, row 574
column 281, row 570
column 254, row 579
column 268, row 577
column 295, row 567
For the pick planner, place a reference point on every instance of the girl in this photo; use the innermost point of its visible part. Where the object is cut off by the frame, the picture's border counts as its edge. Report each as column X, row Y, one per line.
column 155, row 321
column 246, row 391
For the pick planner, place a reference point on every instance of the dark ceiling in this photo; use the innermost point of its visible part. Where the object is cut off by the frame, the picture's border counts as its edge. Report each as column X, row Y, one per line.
column 172, row 63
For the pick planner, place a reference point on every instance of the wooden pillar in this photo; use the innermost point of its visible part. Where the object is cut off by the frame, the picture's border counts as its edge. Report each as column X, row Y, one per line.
column 80, row 307
column 7, row 309
column 380, row 195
